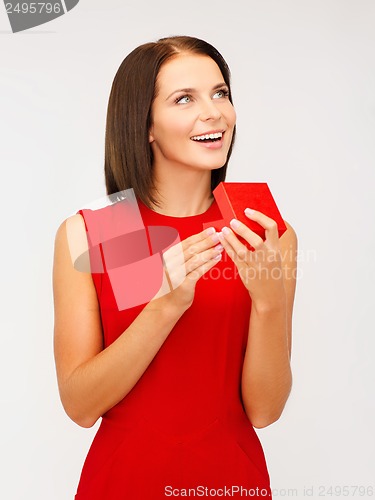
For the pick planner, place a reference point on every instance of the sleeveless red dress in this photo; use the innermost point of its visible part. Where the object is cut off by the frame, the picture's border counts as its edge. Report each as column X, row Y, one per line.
column 183, row 425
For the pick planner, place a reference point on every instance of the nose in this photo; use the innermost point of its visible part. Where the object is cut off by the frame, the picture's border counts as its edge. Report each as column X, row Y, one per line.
column 209, row 110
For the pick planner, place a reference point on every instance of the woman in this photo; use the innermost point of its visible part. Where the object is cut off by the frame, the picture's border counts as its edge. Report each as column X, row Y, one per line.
column 181, row 379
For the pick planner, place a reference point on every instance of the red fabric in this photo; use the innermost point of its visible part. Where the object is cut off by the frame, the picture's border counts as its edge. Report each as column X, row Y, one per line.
column 183, row 424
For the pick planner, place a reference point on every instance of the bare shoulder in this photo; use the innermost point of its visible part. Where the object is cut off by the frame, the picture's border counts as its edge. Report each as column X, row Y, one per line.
column 71, row 240
column 75, row 220
column 71, row 235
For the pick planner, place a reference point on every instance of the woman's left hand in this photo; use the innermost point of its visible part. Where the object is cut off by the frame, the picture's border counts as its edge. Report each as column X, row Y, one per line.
column 261, row 269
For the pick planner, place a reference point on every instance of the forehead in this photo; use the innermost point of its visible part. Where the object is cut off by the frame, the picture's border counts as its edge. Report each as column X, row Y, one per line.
column 188, row 70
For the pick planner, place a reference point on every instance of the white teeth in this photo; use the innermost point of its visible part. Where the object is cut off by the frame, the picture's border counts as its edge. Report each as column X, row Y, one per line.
column 218, row 135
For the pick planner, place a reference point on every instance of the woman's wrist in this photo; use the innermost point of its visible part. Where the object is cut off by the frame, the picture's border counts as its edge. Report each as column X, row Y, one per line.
column 166, row 308
column 266, row 306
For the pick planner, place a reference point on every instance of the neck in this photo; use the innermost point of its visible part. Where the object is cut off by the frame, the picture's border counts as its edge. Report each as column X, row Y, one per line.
column 182, row 194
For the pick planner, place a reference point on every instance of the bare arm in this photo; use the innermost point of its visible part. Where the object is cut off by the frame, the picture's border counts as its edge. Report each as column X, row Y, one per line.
column 267, row 376
column 92, row 379
column 269, row 274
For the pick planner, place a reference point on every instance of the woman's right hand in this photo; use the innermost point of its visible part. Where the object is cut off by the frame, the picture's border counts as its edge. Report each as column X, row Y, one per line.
column 184, row 264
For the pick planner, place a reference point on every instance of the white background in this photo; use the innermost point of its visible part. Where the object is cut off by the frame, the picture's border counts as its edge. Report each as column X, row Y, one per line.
column 303, row 86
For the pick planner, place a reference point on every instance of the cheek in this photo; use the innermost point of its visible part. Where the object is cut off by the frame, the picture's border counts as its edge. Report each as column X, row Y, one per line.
column 174, row 126
column 232, row 116
column 181, row 123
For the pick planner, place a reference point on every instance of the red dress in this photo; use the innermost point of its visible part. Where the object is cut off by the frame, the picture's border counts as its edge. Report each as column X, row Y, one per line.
column 183, row 425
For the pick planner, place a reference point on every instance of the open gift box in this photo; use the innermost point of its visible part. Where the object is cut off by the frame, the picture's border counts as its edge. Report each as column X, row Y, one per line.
column 232, row 199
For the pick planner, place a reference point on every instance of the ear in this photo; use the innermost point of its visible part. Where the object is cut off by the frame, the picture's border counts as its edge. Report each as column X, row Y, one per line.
column 150, row 135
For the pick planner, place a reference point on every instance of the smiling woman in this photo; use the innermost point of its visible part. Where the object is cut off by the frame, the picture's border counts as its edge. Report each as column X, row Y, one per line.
column 181, row 379
column 165, row 77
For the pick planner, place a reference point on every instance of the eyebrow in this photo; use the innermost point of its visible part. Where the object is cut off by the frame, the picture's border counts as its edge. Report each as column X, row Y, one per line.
column 219, row 85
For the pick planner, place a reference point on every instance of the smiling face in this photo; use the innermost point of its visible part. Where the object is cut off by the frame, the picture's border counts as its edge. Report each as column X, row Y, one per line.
column 202, row 107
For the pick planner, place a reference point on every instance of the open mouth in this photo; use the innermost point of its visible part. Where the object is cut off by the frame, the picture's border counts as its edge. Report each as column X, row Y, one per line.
column 211, row 138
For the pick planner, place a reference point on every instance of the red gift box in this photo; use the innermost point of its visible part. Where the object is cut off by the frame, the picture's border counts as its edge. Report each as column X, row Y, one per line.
column 232, row 199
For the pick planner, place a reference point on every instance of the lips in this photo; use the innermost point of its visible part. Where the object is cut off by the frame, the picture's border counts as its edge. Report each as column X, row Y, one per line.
column 212, row 144
column 208, row 133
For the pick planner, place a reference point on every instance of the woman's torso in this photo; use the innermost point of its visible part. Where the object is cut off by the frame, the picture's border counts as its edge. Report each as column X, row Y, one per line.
column 183, row 424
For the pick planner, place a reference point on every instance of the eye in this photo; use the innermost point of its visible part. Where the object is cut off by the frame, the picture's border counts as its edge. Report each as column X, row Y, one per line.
column 178, row 100
column 182, row 97
column 225, row 92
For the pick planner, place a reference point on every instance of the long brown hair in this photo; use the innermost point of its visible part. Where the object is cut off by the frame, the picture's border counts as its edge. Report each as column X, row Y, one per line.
column 128, row 155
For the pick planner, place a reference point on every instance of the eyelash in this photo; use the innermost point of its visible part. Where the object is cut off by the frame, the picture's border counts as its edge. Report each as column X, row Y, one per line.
column 225, row 92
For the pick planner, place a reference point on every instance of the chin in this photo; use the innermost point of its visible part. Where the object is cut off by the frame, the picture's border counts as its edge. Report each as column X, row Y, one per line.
column 207, row 166
column 214, row 163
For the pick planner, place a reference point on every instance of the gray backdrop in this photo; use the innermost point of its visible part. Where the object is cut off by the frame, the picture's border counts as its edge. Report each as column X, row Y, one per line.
column 303, row 84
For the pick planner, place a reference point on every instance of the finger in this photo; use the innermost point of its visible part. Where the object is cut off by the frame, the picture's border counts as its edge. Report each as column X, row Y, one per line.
column 191, row 246
column 184, row 250
column 237, row 255
column 198, row 272
column 240, row 250
column 206, row 238
column 238, row 227
column 179, row 265
column 270, row 225
column 196, row 260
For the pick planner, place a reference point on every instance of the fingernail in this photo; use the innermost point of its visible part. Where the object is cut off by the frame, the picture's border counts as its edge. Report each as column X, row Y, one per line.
column 215, row 237
column 225, row 230
column 235, row 223
column 249, row 211
column 210, row 230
